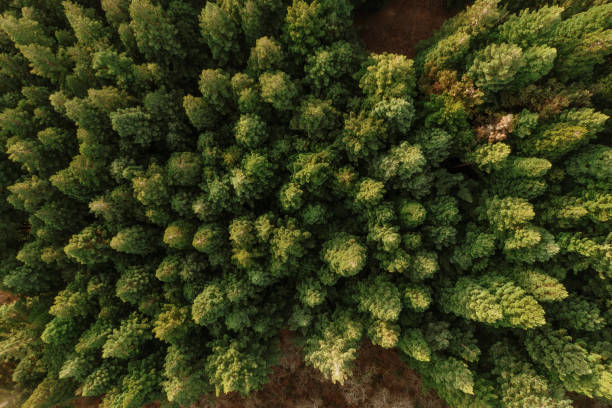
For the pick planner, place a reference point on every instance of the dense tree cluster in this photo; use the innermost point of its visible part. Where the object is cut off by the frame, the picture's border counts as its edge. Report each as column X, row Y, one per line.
column 180, row 180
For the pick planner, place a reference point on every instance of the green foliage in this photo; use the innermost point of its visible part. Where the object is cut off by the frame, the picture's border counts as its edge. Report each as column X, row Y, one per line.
column 209, row 305
column 266, row 55
column 489, row 157
column 135, row 284
column 528, row 26
column 520, row 384
column 134, row 126
column 388, row 76
column 577, row 368
column 185, row 379
column 184, row 169
column 237, row 365
column 179, row 182
column 413, row 343
column 101, row 379
column 334, row 346
column 179, row 235
column 278, row 90
column 308, row 25
column 380, row 298
column 470, row 300
column 344, row 255
column 90, row 246
column 328, row 68
column 250, row 131
column 126, row 340
column 140, row 385
column 136, row 240
column 507, row 65
column 540, row 285
column 153, row 32
column 220, row 32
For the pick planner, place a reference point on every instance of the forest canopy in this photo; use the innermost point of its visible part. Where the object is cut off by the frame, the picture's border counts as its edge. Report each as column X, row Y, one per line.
column 181, row 180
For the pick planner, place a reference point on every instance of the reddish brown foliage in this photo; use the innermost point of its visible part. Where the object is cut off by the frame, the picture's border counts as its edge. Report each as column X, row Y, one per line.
column 6, row 297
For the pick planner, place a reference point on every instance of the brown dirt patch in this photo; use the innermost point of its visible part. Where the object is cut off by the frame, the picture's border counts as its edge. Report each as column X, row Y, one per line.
column 380, row 380
column 580, row 401
column 401, row 24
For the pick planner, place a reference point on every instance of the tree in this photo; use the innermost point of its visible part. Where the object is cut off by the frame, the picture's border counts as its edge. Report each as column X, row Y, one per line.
column 90, row 246
column 183, row 169
column 135, row 240
column 88, row 31
column 220, row 33
column 265, row 56
column 333, row 348
column 328, row 71
column 309, row 25
column 128, row 339
column 571, row 37
column 179, row 234
column 344, row 255
column 278, row 90
column 250, row 131
column 153, row 32
column 380, row 298
column 135, row 127
column 237, row 366
column 185, row 375
column 520, row 383
column 501, row 65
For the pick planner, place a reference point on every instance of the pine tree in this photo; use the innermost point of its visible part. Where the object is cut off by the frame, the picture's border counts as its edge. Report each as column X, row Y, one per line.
column 220, row 32
column 153, row 32
column 236, row 366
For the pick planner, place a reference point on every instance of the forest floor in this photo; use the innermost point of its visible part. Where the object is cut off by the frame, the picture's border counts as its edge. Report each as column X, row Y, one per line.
column 380, row 380
column 401, row 24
